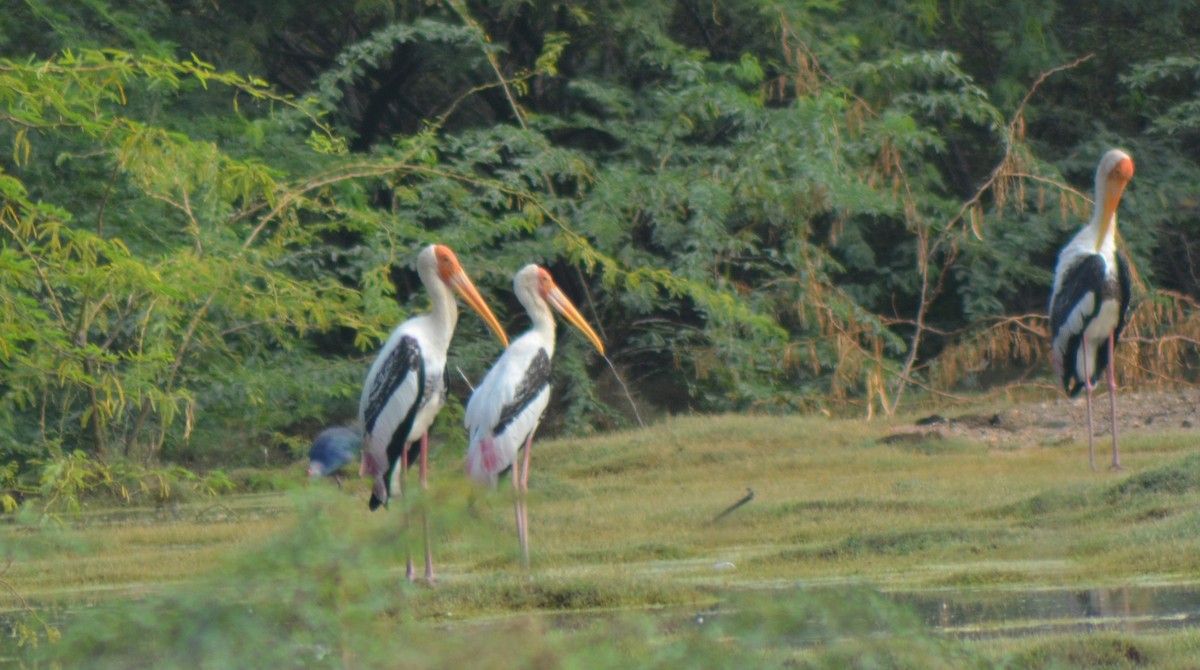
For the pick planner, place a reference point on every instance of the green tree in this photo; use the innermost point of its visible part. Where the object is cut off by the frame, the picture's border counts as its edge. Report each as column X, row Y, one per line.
column 210, row 211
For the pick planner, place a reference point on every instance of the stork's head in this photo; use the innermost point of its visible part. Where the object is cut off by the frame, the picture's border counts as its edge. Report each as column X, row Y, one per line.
column 533, row 280
column 441, row 261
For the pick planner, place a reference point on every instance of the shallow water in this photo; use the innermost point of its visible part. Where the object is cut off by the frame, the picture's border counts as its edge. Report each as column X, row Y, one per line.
column 969, row 614
column 1007, row 613
column 965, row 614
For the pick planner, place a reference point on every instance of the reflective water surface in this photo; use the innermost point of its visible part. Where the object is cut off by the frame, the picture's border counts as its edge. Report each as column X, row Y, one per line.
column 1131, row 609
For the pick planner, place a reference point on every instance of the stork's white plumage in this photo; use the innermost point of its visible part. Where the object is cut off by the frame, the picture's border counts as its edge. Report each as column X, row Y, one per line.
column 1091, row 297
column 504, row 411
column 406, row 385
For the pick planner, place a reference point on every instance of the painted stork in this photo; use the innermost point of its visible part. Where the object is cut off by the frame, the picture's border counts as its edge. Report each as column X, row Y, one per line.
column 504, row 411
column 332, row 449
column 1091, row 296
column 408, row 382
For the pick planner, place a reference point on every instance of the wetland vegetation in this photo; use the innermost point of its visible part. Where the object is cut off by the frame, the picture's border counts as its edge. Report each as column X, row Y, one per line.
column 848, row 539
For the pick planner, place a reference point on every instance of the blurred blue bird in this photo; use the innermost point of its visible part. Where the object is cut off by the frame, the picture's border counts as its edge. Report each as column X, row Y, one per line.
column 331, row 450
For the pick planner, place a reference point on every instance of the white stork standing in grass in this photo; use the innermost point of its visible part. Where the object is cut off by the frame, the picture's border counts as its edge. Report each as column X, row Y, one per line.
column 1091, row 296
column 504, row 411
column 408, row 382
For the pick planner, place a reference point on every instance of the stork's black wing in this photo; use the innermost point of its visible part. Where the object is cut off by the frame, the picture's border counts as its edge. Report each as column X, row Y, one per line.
column 1078, row 298
column 402, row 362
column 537, row 378
column 1072, row 308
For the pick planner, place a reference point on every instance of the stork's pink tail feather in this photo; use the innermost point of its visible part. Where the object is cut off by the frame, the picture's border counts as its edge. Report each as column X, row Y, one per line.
column 369, row 465
column 483, row 464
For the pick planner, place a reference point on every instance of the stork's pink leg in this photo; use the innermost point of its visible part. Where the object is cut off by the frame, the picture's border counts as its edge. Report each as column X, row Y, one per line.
column 525, row 468
column 424, row 469
column 1087, row 386
column 518, row 506
column 408, row 566
column 424, row 501
column 1112, row 400
column 525, row 503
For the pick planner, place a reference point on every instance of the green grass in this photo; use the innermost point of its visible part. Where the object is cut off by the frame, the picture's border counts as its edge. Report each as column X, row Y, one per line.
column 623, row 524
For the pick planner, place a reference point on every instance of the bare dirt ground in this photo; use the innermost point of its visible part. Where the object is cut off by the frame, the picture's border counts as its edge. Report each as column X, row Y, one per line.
column 1064, row 420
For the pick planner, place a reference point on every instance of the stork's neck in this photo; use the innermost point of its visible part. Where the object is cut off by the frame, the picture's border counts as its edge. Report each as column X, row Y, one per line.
column 1102, row 232
column 444, row 314
column 543, row 324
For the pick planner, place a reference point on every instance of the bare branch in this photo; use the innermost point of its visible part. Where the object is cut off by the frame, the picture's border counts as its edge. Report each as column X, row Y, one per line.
column 1002, row 171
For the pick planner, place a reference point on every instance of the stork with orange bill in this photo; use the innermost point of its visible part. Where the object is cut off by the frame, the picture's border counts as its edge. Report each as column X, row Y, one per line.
column 407, row 384
column 1091, row 297
column 505, row 409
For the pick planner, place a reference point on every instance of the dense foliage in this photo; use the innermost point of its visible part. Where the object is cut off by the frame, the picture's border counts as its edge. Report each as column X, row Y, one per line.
column 209, row 211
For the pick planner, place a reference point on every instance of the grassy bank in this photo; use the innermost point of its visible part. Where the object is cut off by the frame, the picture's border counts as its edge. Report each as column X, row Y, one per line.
column 624, row 529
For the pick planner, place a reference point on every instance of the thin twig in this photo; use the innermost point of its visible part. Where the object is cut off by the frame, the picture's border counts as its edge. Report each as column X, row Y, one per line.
column 1012, row 128
column 637, row 415
column 49, row 629
column 462, row 12
column 728, row 510
column 928, row 294
column 464, row 378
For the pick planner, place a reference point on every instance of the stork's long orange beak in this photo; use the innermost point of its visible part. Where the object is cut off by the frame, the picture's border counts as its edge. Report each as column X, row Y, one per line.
column 1114, row 186
column 465, row 288
column 561, row 303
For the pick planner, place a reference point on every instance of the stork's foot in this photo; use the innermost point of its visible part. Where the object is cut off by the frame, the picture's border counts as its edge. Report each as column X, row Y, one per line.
column 1116, row 467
